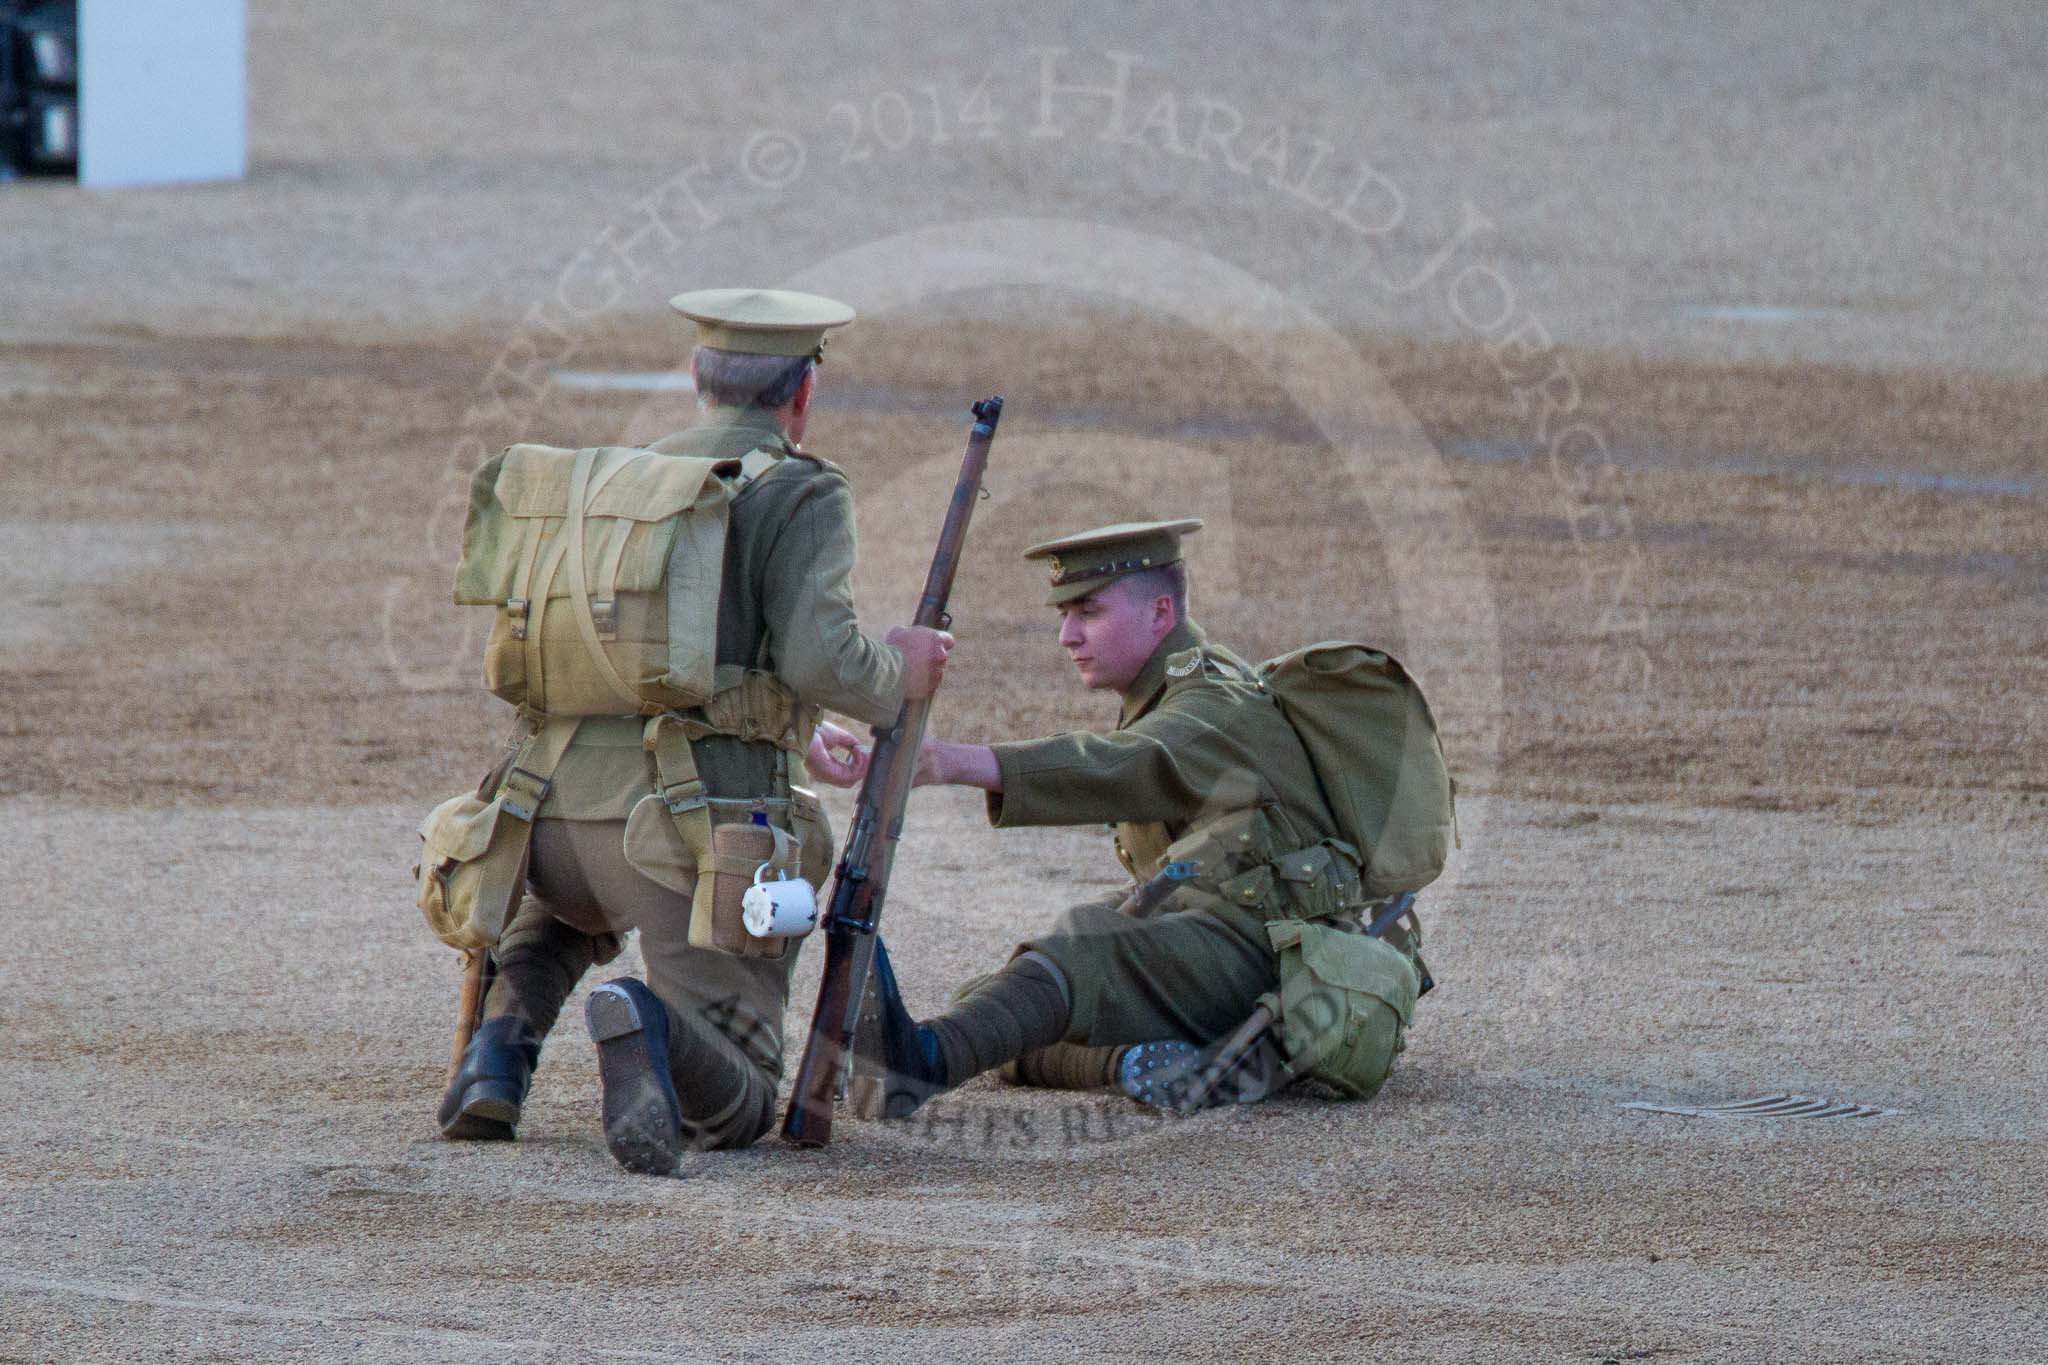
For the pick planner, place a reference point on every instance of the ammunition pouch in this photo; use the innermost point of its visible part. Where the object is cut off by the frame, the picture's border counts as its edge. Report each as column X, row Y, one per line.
column 1320, row 882
column 753, row 705
column 1235, row 864
column 1344, row 1004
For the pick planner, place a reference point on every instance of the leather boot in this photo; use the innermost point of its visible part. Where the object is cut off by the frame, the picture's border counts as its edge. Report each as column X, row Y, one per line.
column 1169, row 1074
column 1020, row 1008
column 897, row 1062
column 643, row 1121
column 483, row 1101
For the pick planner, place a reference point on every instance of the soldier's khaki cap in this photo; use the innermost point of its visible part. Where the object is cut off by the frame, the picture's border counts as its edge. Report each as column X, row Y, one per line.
column 1083, row 562
column 762, row 321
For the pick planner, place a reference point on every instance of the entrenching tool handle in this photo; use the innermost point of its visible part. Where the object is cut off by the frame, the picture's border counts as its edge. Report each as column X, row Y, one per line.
column 1229, row 1058
column 862, row 878
column 1150, row 894
column 477, row 974
column 1237, row 1049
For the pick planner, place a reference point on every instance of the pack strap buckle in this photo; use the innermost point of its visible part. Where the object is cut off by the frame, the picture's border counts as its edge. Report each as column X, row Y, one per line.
column 522, row 792
column 683, row 797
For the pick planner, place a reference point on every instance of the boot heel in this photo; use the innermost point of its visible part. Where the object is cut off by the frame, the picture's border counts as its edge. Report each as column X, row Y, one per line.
column 610, row 1014
column 493, row 1101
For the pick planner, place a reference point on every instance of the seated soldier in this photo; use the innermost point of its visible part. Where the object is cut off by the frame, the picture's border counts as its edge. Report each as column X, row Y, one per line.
column 1202, row 762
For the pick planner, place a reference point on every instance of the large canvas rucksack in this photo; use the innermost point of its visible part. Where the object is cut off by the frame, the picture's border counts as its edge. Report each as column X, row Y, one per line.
column 604, row 565
column 1374, row 745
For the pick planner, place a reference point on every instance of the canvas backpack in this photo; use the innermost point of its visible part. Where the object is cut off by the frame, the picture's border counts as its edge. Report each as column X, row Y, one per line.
column 1373, row 743
column 604, row 565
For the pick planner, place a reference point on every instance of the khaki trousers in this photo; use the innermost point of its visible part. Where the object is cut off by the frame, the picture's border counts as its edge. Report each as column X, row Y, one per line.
column 583, row 897
column 1187, row 974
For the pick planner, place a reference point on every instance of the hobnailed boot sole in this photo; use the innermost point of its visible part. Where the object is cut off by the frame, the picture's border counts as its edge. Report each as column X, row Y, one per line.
column 1160, row 1074
column 1165, row 1075
column 642, row 1122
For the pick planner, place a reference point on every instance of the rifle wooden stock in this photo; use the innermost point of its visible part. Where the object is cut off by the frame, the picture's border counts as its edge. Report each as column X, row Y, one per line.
column 862, row 879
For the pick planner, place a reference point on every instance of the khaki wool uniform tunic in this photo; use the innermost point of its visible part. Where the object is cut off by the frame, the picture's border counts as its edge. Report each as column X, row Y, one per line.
column 1198, row 746
column 786, row 607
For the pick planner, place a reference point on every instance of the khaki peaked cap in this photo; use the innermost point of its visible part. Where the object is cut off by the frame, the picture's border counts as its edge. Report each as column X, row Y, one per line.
column 1083, row 562
column 762, row 321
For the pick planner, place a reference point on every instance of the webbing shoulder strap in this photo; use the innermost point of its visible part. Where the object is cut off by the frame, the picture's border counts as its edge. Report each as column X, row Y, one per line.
column 527, row 781
column 678, row 784
column 580, row 494
column 531, row 775
column 753, row 465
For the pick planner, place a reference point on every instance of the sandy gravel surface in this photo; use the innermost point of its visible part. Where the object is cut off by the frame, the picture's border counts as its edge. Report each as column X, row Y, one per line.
column 231, row 1157
column 1737, row 623
column 1733, row 829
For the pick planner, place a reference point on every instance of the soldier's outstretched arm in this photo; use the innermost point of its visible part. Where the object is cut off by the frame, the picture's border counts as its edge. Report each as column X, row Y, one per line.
column 1167, row 766
column 944, row 763
column 838, row 759
column 1140, row 773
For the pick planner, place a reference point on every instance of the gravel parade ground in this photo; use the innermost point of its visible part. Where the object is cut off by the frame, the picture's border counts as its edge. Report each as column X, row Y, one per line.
column 1663, row 388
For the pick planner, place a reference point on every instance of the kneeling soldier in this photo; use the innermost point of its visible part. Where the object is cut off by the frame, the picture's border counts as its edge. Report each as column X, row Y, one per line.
column 691, row 1057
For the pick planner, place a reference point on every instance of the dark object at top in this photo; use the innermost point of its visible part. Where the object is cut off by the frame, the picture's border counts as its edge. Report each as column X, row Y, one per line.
column 38, row 86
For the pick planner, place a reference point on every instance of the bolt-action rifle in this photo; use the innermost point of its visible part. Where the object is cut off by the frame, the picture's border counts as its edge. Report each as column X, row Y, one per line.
column 853, row 920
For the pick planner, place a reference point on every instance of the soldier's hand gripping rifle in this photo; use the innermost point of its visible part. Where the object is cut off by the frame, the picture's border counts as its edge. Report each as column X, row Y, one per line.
column 862, row 879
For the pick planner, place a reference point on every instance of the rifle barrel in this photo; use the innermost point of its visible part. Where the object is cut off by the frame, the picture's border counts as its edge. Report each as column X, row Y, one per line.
column 861, row 881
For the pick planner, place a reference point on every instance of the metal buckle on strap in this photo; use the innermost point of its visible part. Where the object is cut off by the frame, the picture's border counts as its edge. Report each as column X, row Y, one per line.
column 515, row 612
column 521, row 793
column 684, row 796
column 604, row 612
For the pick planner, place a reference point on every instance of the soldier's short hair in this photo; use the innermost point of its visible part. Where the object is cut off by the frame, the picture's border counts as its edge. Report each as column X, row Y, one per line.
column 742, row 380
column 1169, row 580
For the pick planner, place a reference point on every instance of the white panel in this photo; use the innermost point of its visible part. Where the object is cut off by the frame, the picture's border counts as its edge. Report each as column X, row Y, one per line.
column 162, row 92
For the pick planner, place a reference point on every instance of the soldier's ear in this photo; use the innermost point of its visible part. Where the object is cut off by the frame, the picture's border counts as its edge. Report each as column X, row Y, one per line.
column 801, row 403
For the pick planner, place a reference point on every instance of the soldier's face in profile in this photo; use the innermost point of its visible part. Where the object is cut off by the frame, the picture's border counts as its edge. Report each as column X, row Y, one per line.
column 1110, row 633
